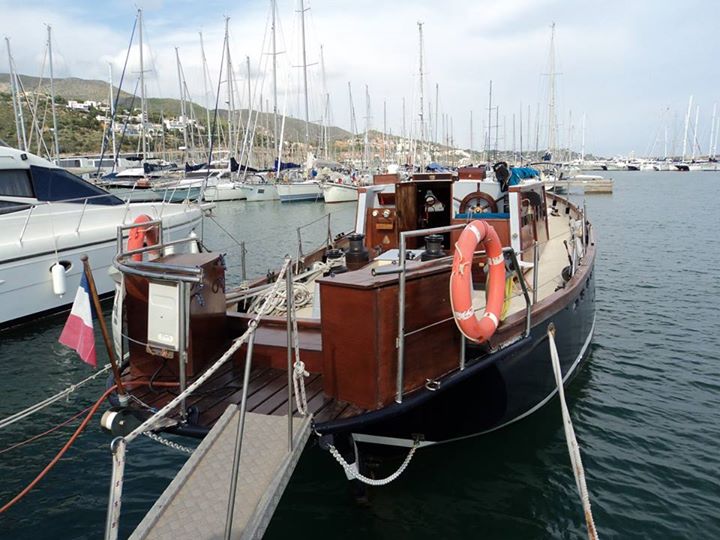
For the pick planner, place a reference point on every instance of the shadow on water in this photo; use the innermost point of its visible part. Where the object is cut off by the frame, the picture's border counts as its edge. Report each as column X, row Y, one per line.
column 498, row 485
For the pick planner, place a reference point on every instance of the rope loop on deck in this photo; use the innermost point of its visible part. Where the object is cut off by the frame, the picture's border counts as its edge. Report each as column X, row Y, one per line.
column 572, row 443
column 352, row 471
column 299, row 372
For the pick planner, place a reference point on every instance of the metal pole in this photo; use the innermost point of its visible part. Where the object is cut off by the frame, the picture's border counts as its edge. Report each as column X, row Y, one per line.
column 401, row 321
column 103, row 327
column 239, row 435
column 243, row 251
column 462, row 352
column 182, row 355
column 289, row 305
column 536, row 259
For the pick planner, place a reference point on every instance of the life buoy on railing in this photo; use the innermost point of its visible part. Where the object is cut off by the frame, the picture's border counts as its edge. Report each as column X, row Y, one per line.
column 140, row 237
column 478, row 330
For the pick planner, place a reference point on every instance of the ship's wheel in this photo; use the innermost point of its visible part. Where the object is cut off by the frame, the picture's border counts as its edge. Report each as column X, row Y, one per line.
column 478, row 203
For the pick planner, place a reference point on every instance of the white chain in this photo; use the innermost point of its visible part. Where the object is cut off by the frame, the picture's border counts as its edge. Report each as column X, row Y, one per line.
column 167, row 442
column 352, row 472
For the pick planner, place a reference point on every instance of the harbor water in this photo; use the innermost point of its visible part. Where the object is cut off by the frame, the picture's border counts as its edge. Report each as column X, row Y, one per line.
column 645, row 406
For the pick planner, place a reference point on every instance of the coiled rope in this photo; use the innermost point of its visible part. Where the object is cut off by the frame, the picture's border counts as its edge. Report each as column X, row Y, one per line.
column 572, row 444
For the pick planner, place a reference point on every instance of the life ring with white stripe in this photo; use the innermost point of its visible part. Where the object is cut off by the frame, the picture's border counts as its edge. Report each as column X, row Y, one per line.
column 477, row 330
column 140, row 237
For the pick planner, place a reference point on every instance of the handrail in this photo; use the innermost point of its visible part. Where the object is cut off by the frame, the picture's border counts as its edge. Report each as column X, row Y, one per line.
column 119, row 444
column 402, row 272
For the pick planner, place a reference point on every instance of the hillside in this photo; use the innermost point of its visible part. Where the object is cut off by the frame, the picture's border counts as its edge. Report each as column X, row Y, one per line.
column 93, row 90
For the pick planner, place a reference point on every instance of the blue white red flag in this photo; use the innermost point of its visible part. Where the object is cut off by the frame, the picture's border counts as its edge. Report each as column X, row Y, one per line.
column 78, row 332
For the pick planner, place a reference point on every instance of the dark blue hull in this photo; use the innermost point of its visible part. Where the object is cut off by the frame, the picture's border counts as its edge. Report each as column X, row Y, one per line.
column 494, row 390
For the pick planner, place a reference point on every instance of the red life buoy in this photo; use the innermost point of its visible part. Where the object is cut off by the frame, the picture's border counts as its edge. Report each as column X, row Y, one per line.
column 478, row 330
column 140, row 237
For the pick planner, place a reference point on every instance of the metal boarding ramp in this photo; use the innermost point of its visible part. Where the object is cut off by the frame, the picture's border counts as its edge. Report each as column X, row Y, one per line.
column 195, row 504
column 232, row 483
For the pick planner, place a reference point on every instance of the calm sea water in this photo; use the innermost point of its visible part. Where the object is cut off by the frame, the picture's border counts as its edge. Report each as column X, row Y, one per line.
column 646, row 407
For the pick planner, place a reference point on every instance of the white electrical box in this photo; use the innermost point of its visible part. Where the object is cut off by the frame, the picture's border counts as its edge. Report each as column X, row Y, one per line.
column 164, row 315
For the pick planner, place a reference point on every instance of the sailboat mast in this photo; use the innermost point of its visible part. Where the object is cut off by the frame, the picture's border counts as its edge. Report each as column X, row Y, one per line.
column 552, row 114
column 305, row 79
column 326, row 105
column 353, row 123
column 713, row 133
column 437, row 102
column 695, row 139
column 687, row 124
column 231, row 108
column 182, row 100
column 384, row 131
column 17, row 105
column 582, row 147
column 143, row 110
column 274, row 74
column 422, row 105
column 207, row 93
column 112, row 119
column 366, row 149
column 489, row 125
column 471, row 131
column 52, row 96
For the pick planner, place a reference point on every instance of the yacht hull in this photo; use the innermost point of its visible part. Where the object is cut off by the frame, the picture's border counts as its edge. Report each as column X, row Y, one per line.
column 301, row 191
column 26, row 287
column 337, row 193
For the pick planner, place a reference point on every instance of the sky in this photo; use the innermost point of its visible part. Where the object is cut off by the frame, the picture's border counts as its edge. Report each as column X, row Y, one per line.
column 625, row 69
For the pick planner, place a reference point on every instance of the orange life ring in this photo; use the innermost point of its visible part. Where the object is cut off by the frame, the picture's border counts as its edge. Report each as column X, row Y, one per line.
column 140, row 237
column 478, row 330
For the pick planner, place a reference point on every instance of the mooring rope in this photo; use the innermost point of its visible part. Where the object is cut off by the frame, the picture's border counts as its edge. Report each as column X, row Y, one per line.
column 572, row 443
column 353, row 472
column 49, row 401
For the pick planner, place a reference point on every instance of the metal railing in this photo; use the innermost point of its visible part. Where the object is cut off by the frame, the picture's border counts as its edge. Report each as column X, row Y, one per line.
column 402, row 271
column 119, row 444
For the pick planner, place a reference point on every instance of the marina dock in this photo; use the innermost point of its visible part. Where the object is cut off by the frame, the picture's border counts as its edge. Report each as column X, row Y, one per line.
column 195, row 504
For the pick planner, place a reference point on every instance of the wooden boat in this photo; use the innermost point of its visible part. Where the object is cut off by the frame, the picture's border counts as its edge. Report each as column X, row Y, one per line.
column 386, row 362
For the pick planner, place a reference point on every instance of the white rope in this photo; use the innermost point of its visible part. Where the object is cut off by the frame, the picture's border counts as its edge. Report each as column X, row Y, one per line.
column 351, row 470
column 112, row 525
column 572, row 443
column 49, row 401
column 150, row 422
column 299, row 372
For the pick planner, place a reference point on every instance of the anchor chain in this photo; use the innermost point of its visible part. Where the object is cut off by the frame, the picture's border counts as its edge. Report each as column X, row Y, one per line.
column 167, row 442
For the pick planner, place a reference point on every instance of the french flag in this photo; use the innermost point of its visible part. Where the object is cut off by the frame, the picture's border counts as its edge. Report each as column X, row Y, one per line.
column 78, row 332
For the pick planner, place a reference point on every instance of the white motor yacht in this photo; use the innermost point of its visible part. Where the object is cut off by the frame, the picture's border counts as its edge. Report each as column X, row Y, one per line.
column 51, row 218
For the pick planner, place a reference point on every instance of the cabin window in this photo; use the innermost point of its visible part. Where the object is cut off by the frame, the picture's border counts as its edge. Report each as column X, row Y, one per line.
column 15, row 183
column 60, row 185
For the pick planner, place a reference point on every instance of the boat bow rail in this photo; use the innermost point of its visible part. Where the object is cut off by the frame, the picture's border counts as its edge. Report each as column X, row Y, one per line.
column 402, row 270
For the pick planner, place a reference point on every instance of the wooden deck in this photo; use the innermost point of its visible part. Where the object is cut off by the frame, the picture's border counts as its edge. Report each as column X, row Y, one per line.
column 267, row 394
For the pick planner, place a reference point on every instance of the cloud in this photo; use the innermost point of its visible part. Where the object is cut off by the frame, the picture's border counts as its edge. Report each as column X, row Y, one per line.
column 622, row 63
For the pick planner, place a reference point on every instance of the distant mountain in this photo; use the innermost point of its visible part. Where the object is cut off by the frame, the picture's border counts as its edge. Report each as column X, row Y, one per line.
column 93, row 90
